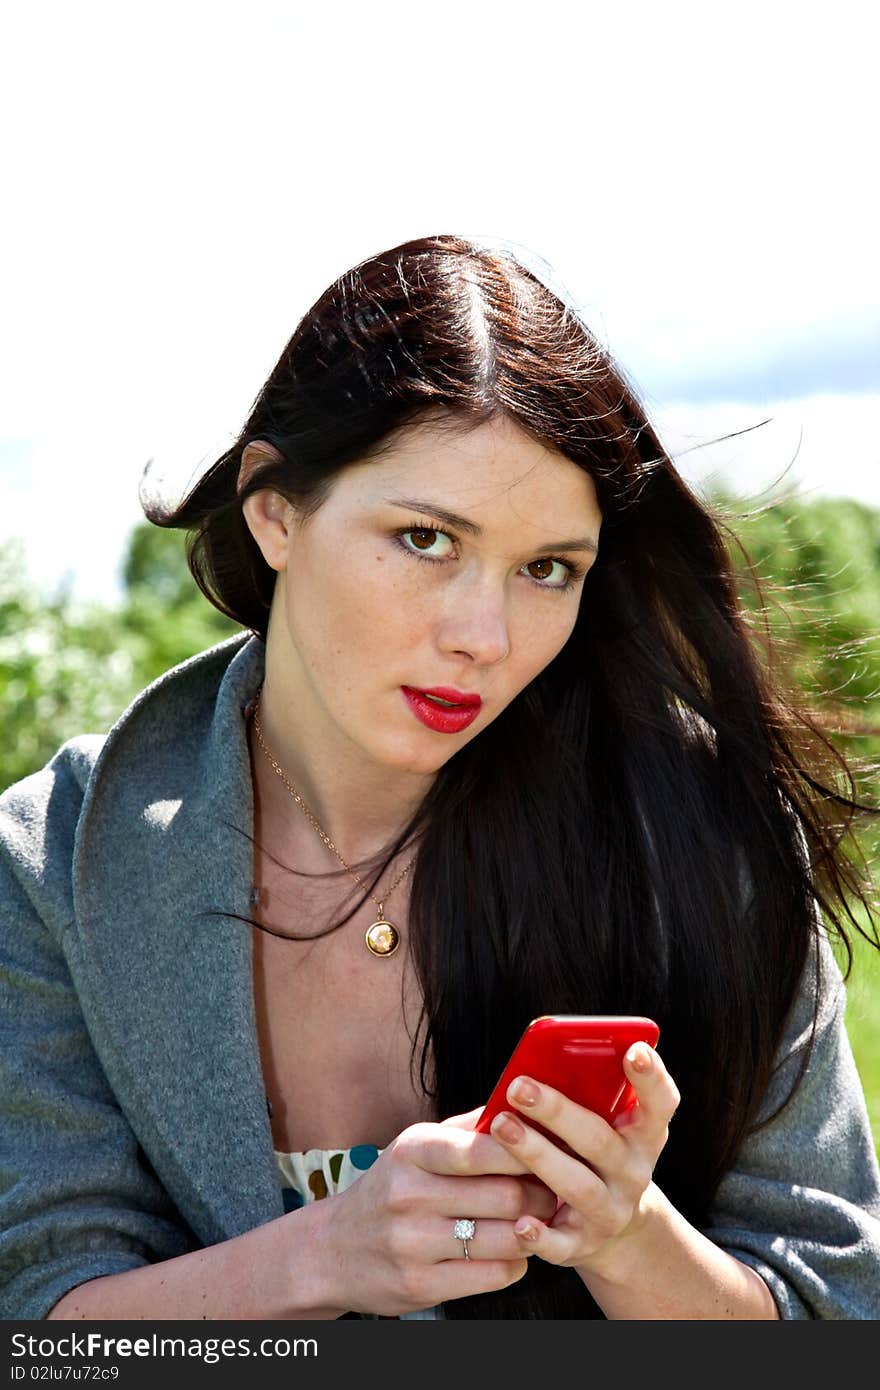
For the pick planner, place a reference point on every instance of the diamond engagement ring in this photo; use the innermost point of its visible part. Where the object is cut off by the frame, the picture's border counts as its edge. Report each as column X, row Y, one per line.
column 464, row 1230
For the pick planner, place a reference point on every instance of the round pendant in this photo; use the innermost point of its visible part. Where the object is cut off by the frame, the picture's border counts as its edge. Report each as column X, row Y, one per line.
column 382, row 938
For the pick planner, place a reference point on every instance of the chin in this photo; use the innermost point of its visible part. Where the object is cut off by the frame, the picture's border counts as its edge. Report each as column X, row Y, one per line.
column 416, row 760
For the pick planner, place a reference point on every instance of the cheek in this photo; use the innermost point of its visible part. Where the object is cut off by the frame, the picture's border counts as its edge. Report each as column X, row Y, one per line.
column 344, row 616
column 543, row 636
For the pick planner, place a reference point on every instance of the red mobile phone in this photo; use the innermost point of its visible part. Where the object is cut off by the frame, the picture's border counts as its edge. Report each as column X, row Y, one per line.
column 580, row 1055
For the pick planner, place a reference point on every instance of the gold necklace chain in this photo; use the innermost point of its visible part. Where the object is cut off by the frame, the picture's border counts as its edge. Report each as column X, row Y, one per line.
column 382, row 937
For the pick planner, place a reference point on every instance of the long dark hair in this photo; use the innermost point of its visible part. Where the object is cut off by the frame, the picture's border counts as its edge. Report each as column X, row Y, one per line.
column 650, row 826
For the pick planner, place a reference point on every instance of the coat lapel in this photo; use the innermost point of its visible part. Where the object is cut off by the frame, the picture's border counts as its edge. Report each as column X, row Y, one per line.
column 166, row 980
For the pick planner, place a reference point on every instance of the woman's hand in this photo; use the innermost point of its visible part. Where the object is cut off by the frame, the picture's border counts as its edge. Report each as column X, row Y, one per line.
column 386, row 1243
column 602, row 1191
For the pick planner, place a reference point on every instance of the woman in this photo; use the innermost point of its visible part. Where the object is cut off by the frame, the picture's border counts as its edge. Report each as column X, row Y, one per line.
column 494, row 743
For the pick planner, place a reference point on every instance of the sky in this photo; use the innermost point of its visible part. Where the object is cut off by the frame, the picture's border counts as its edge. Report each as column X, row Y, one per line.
column 183, row 180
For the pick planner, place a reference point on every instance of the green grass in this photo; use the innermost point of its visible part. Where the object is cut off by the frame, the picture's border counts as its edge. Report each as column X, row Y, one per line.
column 863, row 1024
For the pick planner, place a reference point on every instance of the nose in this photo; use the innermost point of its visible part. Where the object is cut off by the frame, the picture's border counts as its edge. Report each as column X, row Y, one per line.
column 475, row 624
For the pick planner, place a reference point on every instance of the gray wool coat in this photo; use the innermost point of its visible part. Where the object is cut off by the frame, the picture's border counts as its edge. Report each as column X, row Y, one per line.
column 133, row 1123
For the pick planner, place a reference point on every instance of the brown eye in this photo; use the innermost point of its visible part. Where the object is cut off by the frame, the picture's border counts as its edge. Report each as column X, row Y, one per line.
column 423, row 534
column 547, row 571
column 563, row 579
column 423, row 540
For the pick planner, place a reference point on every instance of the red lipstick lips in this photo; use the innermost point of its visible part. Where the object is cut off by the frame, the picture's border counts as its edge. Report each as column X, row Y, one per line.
column 450, row 718
column 446, row 692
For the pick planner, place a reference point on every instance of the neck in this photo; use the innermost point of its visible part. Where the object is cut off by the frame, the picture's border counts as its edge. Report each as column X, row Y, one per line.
column 361, row 808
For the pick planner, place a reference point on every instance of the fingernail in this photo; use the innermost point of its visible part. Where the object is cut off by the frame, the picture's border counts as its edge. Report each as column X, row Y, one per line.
column 523, row 1091
column 526, row 1230
column 639, row 1057
column 505, row 1127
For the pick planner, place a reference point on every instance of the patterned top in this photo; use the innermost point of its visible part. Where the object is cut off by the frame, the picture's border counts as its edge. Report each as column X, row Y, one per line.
column 307, row 1177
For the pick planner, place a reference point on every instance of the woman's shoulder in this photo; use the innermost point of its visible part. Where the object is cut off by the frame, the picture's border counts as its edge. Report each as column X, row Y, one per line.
column 180, row 695
column 39, row 816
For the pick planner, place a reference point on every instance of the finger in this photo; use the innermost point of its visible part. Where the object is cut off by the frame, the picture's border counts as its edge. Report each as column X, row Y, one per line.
column 491, row 1240
column 558, row 1247
column 537, row 1199
column 426, row 1284
column 448, row 1150
column 568, row 1176
column 585, row 1133
column 459, row 1278
column 465, row 1121
column 657, row 1095
column 499, row 1198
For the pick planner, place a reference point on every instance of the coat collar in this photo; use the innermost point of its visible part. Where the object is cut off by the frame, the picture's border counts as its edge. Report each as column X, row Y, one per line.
column 163, row 841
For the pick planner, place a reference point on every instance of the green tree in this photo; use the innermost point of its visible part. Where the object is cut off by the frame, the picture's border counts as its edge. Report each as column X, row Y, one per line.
column 165, row 615
column 818, row 564
column 68, row 667
column 63, row 671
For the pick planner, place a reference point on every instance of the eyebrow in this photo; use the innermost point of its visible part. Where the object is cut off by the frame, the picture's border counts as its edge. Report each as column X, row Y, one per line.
column 471, row 527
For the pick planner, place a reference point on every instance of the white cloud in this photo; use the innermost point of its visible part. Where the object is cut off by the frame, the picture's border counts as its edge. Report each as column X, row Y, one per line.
column 823, row 444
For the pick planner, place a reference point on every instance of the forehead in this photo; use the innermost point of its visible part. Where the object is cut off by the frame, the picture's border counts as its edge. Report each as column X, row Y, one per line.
column 486, row 471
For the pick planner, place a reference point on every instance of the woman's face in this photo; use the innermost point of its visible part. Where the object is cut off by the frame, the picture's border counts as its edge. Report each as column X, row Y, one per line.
column 380, row 594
